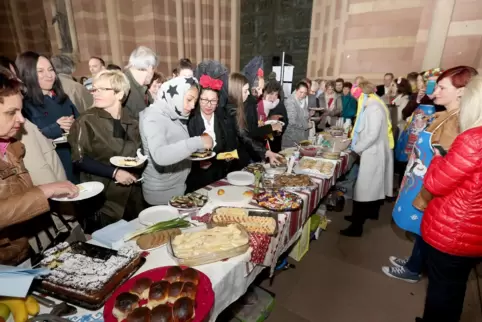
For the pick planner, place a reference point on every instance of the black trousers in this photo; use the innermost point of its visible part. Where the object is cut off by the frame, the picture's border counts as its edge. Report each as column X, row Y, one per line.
column 447, row 283
column 363, row 210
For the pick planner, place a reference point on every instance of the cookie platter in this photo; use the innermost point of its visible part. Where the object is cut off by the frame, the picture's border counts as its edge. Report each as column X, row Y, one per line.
column 253, row 220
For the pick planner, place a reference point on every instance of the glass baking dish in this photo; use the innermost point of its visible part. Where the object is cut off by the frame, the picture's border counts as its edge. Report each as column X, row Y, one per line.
column 210, row 257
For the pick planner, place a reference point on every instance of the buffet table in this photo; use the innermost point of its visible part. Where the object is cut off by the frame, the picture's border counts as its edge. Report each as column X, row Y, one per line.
column 231, row 278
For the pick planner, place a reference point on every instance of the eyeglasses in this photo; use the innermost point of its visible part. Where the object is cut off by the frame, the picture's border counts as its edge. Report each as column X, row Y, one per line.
column 102, row 90
column 208, row 102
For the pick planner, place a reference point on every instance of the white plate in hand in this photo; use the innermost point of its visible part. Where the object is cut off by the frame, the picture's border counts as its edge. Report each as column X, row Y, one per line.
column 87, row 190
column 230, row 195
column 120, row 162
column 212, row 155
column 269, row 122
column 155, row 214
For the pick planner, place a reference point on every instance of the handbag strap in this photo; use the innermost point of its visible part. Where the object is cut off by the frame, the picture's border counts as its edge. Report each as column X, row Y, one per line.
column 446, row 119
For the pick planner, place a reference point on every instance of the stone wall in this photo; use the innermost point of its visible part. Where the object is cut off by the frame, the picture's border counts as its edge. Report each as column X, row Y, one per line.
column 269, row 27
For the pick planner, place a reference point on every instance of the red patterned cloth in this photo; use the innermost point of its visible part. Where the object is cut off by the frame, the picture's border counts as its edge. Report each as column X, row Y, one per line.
column 260, row 244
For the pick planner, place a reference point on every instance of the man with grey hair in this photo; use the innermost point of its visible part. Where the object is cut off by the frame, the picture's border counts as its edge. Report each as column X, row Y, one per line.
column 78, row 94
column 142, row 63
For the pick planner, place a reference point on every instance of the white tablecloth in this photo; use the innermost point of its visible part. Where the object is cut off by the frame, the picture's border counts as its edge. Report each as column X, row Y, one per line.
column 230, row 280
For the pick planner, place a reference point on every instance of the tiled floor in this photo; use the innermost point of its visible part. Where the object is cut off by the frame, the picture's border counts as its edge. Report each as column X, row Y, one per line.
column 340, row 279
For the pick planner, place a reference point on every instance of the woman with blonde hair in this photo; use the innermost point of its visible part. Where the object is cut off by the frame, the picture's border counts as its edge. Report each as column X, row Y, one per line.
column 452, row 225
column 104, row 131
column 371, row 140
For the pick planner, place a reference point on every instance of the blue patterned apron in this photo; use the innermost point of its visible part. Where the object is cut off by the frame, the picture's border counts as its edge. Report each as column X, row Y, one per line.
column 405, row 215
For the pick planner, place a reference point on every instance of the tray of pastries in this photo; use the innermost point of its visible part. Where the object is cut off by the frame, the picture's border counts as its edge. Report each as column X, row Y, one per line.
column 254, row 167
column 253, row 220
column 319, row 167
column 208, row 246
column 279, row 200
column 293, row 182
column 86, row 275
column 172, row 293
column 191, row 200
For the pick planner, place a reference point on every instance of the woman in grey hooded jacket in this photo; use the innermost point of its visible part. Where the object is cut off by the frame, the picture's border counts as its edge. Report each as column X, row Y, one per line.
column 166, row 141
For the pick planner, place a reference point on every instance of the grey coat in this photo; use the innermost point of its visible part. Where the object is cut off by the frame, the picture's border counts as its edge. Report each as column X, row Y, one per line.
column 298, row 125
column 375, row 177
column 166, row 142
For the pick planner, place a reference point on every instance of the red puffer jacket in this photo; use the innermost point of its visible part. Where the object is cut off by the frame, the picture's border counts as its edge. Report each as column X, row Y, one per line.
column 452, row 222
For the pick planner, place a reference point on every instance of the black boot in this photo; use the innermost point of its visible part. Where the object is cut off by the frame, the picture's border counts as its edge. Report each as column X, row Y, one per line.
column 348, row 218
column 352, row 231
column 417, row 319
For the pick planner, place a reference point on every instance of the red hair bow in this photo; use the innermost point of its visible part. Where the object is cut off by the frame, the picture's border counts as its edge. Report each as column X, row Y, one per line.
column 260, row 73
column 208, row 82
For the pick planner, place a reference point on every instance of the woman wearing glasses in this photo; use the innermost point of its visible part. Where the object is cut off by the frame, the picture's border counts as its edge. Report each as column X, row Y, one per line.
column 99, row 134
column 46, row 105
column 203, row 120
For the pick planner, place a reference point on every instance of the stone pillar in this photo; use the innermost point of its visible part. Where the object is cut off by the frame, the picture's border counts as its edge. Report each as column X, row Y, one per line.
column 441, row 18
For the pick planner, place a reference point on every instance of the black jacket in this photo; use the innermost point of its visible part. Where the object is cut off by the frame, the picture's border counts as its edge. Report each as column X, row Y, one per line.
column 199, row 177
column 380, row 90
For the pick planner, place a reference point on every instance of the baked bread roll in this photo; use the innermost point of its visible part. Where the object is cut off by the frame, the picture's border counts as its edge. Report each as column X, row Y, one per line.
column 141, row 314
column 190, row 275
column 162, row 313
column 189, row 290
column 125, row 303
column 156, row 239
column 175, row 291
column 173, row 274
column 158, row 293
column 183, row 310
column 253, row 224
column 141, row 288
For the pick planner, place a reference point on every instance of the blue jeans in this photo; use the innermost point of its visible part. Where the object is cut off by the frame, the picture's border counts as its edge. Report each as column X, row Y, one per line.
column 416, row 260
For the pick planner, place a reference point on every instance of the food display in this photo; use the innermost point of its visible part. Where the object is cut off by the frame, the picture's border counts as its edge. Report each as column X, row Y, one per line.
column 156, row 239
column 305, row 143
column 288, row 182
column 191, row 200
column 336, row 131
column 254, row 221
column 288, row 152
column 85, row 274
column 201, row 154
column 316, row 166
column 168, row 294
column 330, row 155
column 254, row 167
column 279, row 200
column 309, row 151
column 228, row 155
column 129, row 162
column 207, row 246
